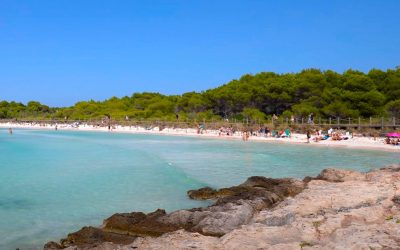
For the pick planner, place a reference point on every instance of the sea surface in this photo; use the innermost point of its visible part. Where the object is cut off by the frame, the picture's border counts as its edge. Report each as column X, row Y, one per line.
column 55, row 182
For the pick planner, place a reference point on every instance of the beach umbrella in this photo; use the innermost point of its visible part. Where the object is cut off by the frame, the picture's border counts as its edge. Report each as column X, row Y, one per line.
column 393, row 134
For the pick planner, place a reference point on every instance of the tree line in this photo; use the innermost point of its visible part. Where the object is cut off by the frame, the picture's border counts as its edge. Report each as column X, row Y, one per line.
column 326, row 94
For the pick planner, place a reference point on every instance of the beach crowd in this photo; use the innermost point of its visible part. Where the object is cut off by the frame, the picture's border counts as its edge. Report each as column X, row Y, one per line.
column 245, row 133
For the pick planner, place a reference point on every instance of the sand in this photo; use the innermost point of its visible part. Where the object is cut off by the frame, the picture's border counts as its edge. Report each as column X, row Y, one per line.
column 357, row 142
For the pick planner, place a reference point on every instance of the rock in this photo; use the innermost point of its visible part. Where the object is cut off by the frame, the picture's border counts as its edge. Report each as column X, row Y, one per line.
column 340, row 175
column 138, row 224
column 208, row 193
column 259, row 236
column 268, row 189
column 51, row 245
column 91, row 236
column 281, row 187
column 229, row 217
column 205, row 193
column 101, row 246
column 307, row 179
column 280, row 220
column 235, row 206
column 391, row 168
column 214, row 220
column 396, row 199
column 177, row 240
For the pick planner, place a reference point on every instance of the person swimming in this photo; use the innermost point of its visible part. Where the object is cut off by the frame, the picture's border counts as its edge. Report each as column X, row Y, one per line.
column 10, row 131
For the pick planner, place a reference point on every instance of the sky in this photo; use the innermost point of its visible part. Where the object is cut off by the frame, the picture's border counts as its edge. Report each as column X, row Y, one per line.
column 60, row 52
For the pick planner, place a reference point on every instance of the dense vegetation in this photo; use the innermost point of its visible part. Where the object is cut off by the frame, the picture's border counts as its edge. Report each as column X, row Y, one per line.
column 324, row 93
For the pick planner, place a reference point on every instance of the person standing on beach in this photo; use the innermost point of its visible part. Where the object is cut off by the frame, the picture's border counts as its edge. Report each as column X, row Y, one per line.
column 308, row 136
column 311, row 118
column 244, row 135
column 267, row 132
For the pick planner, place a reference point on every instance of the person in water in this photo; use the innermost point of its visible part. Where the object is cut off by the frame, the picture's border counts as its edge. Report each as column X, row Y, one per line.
column 10, row 131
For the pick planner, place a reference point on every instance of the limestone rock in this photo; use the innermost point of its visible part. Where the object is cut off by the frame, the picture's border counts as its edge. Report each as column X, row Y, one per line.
column 177, row 240
column 340, row 175
column 221, row 222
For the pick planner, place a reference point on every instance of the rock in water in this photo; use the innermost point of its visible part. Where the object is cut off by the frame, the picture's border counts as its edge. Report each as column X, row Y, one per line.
column 138, row 224
column 205, row 193
column 91, row 236
column 254, row 187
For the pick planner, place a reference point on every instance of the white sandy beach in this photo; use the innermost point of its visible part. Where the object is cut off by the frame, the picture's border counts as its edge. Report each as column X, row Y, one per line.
column 300, row 139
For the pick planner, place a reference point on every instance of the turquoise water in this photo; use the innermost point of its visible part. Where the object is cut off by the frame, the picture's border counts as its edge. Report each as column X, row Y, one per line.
column 55, row 182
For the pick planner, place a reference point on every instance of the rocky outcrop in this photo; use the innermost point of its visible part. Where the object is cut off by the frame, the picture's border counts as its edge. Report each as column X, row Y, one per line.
column 89, row 237
column 138, row 224
column 234, row 206
column 338, row 209
column 256, row 186
column 120, row 228
column 205, row 193
column 340, row 175
column 337, row 175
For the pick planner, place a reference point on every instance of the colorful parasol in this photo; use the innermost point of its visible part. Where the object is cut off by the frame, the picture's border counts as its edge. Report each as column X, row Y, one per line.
column 393, row 134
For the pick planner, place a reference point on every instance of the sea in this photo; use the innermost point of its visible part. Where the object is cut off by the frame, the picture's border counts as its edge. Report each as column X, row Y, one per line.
column 55, row 182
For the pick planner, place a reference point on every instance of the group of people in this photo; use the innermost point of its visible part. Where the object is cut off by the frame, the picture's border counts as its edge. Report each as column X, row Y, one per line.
column 261, row 132
column 226, row 131
column 335, row 135
column 392, row 141
column 314, row 135
column 265, row 132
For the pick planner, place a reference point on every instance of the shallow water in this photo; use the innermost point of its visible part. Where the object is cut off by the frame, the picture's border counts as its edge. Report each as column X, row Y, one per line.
column 55, row 182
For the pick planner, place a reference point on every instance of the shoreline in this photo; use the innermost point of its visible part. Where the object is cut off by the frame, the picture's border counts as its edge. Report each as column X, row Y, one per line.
column 362, row 143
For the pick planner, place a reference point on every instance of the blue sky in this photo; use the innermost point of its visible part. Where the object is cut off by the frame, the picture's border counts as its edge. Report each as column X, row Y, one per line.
column 60, row 52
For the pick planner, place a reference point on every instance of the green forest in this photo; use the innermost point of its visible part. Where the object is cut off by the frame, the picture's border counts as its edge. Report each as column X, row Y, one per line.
column 326, row 94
